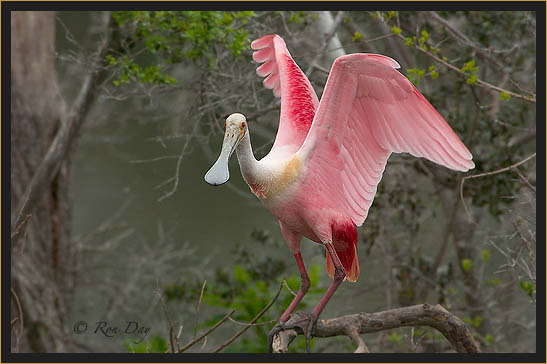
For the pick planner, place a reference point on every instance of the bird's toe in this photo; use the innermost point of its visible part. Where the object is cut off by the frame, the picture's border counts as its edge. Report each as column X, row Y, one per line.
column 274, row 331
column 310, row 330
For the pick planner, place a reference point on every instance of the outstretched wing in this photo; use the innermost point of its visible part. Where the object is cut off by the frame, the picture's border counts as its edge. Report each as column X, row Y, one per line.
column 369, row 110
column 298, row 99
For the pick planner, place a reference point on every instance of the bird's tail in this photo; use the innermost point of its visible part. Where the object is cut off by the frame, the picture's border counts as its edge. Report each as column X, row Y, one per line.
column 344, row 236
column 352, row 271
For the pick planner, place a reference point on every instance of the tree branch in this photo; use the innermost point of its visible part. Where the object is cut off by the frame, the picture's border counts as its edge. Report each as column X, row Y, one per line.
column 328, row 36
column 452, row 328
column 462, row 73
column 191, row 343
column 501, row 170
column 259, row 315
column 65, row 137
column 486, row 53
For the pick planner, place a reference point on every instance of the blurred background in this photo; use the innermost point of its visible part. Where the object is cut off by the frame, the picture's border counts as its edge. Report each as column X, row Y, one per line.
column 128, row 232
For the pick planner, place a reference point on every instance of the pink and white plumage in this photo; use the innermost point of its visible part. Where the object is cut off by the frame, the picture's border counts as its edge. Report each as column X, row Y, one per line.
column 321, row 174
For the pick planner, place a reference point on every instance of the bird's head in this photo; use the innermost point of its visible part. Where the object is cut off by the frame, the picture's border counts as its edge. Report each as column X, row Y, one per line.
column 236, row 127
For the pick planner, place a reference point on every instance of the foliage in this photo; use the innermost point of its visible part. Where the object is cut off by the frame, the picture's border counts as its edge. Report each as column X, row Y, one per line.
column 154, row 345
column 248, row 285
column 155, row 40
column 412, row 220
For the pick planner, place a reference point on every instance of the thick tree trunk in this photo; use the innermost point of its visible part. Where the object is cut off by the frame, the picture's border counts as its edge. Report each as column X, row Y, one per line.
column 42, row 261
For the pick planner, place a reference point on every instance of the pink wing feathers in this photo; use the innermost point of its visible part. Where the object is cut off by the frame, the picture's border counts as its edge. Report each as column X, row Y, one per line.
column 298, row 99
column 369, row 110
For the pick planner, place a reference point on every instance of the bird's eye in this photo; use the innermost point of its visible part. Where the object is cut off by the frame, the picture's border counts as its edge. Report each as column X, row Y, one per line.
column 243, row 124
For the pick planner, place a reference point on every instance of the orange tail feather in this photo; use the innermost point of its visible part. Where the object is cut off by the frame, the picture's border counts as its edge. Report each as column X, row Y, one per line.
column 352, row 273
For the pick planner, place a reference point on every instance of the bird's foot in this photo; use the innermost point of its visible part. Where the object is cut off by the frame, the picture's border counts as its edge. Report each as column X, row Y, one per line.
column 301, row 322
column 310, row 330
column 280, row 326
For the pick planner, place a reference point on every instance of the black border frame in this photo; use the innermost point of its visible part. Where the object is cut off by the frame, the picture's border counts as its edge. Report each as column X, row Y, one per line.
column 8, row 7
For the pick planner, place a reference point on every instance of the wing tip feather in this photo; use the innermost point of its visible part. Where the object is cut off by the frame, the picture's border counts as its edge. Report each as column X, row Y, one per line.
column 263, row 42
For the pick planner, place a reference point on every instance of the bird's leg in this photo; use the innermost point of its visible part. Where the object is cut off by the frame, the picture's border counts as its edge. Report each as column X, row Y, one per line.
column 304, row 286
column 339, row 275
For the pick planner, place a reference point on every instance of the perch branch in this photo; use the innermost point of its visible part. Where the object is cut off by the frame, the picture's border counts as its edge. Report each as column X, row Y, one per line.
column 452, row 328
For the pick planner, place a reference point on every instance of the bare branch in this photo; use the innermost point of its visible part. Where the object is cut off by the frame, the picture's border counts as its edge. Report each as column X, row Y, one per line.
column 21, row 321
column 525, row 180
column 198, row 308
column 486, row 53
column 501, row 170
column 358, row 340
column 326, row 39
column 452, row 328
column 179, row 163
column 256, row 324
column 171, row 341
column 479, row 82
column 238, row 334
column 198, row 339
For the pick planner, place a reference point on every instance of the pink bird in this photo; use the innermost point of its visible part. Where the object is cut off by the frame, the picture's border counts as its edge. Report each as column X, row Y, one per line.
column 321, row 175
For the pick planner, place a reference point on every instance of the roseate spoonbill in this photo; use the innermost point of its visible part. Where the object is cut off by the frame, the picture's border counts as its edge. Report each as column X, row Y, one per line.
column 321, row 174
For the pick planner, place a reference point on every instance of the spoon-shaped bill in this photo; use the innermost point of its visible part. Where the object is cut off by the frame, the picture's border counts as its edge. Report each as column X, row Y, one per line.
column 219, row 173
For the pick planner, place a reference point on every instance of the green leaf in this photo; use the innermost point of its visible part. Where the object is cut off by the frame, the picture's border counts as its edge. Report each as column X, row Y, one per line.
column 466, row 264
column 240, row 274
column 395, row 338
column 396, row 30
column 112, row 61
column 485, row 255
column 504, row 96
column 528, row 287
column 356, row 36
column 471, row 80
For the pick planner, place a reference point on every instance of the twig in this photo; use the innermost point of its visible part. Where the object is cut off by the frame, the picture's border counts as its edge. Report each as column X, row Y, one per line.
column 505, row 169
column 22, row 225
column 191, row 343
column 179, row 163
column 361, row 346
column 526, row 182
column 198, row 307
column 288, row 288
column 462, row 73
column 171, row 339
column 486, row 53
column 247, row 324
column 326, row 39
column 230, row 340
column 21, row 321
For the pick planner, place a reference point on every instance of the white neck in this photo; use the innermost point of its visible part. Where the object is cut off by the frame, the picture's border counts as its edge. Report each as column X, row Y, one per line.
column 248, row 165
